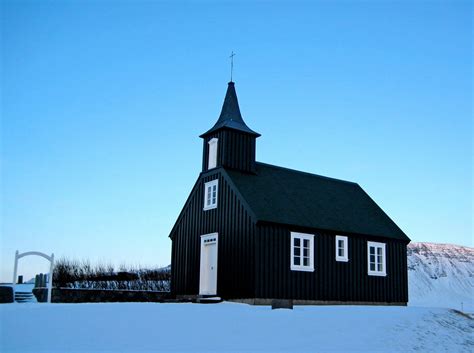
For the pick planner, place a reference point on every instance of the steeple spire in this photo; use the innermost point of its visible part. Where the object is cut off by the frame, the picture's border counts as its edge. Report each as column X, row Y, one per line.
column 230, row 143
column 230, row 114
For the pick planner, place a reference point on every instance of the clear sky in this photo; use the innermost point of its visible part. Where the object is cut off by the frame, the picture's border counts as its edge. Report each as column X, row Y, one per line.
column 103, row 102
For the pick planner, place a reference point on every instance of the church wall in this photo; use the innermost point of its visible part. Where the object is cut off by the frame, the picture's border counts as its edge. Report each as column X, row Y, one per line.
column 235, row 277
column 331, row 280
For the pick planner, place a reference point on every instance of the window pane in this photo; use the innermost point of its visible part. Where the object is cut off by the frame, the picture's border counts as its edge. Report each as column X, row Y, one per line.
column 372, row 266
column 305, row 252
column 305, row 261
column 379, row 267
column 372, row 250
column 372, row 258
column 379, row 251
column 341, row 252
column 296, row 261
column 296, row 251
column 296, row 242
column 340, row 243
column 306, row 243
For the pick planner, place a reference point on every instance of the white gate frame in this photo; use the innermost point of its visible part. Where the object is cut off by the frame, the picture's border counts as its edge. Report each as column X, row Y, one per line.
column 18, row 256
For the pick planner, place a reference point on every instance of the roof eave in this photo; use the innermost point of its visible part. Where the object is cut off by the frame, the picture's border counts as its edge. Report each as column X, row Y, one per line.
column 245, row 131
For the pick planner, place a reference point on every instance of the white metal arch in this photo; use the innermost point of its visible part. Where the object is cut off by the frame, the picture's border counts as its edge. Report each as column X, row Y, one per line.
column 37, row 253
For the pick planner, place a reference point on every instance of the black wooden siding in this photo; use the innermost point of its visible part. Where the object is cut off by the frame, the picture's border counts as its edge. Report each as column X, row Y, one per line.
column 236, row 274
column 235, row 150
column 331, row 280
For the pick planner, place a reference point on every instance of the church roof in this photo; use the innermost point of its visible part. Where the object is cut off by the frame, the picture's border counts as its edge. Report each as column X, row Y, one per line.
column 230, row 115
column 285, row 196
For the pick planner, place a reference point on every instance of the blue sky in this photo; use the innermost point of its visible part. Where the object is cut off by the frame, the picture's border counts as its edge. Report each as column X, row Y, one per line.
column 103, row 102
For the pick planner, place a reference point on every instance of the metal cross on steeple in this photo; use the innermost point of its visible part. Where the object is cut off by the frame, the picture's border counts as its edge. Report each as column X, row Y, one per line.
column 231, row 64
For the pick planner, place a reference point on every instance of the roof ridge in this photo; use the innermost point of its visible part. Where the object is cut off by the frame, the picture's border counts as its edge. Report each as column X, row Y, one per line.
column 308, row 173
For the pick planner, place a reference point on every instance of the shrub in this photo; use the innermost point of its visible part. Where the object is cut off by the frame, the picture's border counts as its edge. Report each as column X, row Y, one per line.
column 81, row 274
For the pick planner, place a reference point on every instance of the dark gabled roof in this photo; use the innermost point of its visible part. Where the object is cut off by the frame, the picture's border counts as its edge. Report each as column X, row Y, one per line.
column 230, row 115
column 285, row 196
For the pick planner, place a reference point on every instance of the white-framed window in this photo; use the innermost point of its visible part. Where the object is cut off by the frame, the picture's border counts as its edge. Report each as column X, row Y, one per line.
column 376, row 260
column 212, row 161
column 302, row 252
column 342, row 248
column 210, row 194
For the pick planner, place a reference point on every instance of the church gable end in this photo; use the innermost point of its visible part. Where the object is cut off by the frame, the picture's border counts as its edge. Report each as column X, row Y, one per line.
column 235, row 224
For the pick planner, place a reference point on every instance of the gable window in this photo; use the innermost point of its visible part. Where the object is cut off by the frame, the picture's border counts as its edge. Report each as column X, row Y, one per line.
column 212, row 162
column 342, row 249
column 302, row 252
column 376, row 259
column 210, row 194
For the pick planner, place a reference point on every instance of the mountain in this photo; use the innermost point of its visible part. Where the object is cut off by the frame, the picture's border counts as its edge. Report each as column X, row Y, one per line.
column 441, row 275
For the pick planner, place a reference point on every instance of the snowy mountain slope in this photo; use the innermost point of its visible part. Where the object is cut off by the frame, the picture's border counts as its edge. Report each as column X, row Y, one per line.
column 441, row 275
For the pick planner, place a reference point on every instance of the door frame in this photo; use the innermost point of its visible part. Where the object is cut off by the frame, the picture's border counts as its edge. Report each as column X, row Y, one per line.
column 205, row 239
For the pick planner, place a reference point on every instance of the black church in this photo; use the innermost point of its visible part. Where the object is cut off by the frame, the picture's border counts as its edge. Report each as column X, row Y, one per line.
column 254, row 232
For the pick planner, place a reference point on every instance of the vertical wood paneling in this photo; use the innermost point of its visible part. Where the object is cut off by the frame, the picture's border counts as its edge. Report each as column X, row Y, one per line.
column 331, row 280
column 235, row 150
column 236, row 273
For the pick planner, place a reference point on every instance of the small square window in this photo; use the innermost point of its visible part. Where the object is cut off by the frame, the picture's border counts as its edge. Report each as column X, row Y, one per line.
column 342, row 248
column 210, row 194
column 302, row 250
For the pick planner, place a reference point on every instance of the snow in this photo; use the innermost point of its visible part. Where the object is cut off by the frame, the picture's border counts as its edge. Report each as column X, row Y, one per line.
column 230, row 327
column 24, row 287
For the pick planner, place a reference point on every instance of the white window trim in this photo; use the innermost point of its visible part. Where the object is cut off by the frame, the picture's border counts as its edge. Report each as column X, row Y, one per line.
column 212, row 158
column 345, row 256
column 382, row 273
column 211, row 184
column 301, row 267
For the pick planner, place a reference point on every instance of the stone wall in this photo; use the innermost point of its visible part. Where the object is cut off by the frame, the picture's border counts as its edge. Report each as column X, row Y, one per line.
column 67, row 295
column 6, row 294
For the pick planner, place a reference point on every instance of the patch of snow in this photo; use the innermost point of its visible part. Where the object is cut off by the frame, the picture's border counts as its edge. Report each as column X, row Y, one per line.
column 24, row 287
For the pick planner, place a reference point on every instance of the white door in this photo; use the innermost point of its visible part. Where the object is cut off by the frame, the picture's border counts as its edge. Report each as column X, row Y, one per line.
column 208, row 273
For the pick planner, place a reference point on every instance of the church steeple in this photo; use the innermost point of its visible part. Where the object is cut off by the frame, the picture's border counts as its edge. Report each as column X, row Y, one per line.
column 230, row 114
column 230, row 142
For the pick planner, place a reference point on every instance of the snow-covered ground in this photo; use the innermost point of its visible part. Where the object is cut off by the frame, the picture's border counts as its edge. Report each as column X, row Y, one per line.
column 228, row 327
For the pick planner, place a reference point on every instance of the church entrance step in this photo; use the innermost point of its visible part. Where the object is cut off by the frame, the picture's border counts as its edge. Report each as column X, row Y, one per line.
column 208, row 300
column 24, row 297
